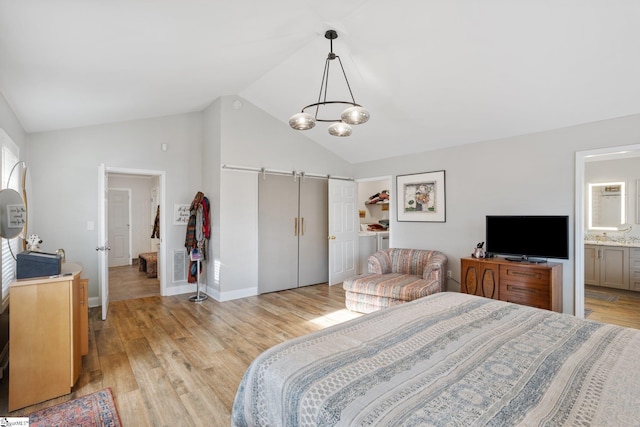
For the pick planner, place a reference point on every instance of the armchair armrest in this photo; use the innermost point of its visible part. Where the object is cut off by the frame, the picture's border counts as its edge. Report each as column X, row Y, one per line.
column 435, row 268
column 379, row 263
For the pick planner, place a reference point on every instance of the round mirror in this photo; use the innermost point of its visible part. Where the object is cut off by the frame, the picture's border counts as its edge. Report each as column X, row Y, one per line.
column 13, row 213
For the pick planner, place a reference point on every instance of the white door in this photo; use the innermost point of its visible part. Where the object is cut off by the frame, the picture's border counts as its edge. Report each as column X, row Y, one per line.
column 119, row 234
column 103, row 241
column 343, row 230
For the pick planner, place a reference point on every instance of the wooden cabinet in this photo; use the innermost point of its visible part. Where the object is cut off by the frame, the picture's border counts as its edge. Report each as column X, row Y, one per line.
column 46, row 337
column 606, row 266
column 634, row 269
column 480, row 278
column 536, row 285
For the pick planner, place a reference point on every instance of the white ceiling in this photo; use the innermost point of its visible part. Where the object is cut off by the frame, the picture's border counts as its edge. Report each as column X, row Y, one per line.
column 433, row 73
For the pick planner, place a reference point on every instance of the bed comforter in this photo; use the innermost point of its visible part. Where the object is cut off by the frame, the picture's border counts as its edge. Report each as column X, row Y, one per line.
column 448, row 359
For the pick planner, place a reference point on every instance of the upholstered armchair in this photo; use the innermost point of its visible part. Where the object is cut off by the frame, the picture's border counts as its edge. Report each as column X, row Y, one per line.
column 396, row 276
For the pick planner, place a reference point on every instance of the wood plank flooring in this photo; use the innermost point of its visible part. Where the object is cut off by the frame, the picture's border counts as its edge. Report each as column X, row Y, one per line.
column 170, row 361
column 127, row 282
column 615, row 306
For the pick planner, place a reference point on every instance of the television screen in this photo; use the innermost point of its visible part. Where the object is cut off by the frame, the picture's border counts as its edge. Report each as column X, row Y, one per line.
column 541, row 236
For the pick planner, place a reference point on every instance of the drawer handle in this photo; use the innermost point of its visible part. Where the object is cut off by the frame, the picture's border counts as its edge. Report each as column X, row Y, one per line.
column 521, row 289
column 524, row 274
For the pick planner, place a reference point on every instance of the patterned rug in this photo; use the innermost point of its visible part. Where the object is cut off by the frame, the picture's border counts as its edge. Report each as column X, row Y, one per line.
column 600, row 295
column 93, row 410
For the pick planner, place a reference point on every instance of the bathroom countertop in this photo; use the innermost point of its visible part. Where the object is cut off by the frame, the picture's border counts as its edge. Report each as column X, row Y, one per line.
column 624, row 243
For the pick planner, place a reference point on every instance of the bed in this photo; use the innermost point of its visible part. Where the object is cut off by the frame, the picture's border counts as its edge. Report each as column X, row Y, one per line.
column 448, row 359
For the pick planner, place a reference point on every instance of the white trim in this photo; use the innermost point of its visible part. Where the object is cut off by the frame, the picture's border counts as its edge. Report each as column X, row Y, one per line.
column 162, row 255
column 581, row 158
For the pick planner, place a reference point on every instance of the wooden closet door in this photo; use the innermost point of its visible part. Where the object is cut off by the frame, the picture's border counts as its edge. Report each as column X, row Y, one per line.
column 313, row 265
column 277, row 237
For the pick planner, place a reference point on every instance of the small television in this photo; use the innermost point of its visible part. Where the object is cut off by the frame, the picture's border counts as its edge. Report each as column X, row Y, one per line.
column 528, row 238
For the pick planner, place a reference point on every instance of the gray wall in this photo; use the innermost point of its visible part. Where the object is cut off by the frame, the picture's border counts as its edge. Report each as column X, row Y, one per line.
column 64, row 172
column 529, row 174
column 250, row 137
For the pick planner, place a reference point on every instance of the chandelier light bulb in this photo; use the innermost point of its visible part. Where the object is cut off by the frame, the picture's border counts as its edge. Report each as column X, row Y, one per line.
column 355, row 115
column 302, row 121
column 340, row 129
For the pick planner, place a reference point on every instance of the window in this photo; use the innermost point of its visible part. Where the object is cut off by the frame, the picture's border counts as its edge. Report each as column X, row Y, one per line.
column 9, row 154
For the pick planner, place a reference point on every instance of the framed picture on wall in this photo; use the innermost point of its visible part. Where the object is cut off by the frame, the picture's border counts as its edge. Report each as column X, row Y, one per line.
column 181, row 214
column 421, row 197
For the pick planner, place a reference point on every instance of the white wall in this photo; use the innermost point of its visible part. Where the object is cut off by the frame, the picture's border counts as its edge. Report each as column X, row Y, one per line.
column 250, row 137
column 529, row 174
column 11, row 125
column 64, row 172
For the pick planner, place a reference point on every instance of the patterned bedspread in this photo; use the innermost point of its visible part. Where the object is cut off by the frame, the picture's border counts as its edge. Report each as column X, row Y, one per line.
column 448, row 359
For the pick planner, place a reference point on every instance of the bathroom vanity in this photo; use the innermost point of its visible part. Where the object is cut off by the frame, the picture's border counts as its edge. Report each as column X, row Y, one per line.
column 612, row 264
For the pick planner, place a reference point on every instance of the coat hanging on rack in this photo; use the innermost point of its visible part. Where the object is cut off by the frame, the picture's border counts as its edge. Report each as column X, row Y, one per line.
column 156, row 225
column 198, row 231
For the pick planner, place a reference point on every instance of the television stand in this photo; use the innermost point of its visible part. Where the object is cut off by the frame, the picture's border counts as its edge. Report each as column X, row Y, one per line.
column 525, row 258
column 535, row 285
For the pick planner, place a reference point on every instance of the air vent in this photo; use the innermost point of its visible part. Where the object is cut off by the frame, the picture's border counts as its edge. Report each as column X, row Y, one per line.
column 180, row 265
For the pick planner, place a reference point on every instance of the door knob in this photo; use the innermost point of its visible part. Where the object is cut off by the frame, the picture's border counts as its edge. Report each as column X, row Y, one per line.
column 331, row 237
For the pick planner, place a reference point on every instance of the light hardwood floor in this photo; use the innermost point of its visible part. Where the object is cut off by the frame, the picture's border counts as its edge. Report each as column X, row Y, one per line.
column 170, row 361
column 127, row 282
column 615, row 306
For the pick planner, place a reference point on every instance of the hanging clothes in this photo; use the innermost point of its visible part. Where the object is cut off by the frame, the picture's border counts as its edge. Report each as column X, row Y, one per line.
column 155, row 234
column 198, row 232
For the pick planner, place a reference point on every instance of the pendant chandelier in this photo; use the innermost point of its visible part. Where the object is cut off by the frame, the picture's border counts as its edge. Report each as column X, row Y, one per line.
column 355, row 114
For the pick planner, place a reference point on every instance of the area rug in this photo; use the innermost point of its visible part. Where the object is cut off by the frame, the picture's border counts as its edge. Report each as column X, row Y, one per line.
column 93, row 410
column 600, row 295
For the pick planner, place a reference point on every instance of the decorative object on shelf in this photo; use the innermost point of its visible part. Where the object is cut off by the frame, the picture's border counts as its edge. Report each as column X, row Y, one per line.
column 355, row 114
column 60, row 253
column 33, row 243
column 421, row 197
column 478, row 252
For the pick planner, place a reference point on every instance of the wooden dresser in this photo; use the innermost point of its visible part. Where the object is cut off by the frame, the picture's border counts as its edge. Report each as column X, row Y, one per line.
column 48, row 333
column 536, row 285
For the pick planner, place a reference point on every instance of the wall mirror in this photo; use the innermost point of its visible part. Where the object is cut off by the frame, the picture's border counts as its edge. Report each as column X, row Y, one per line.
column 13, row 213
column 606, row 208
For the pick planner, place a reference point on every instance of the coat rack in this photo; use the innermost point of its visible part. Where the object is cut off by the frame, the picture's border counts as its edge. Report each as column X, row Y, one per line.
column 196, row 240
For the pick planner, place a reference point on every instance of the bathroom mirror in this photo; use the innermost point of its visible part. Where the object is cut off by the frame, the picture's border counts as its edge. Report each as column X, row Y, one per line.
column 606, row 208
column 13, row 213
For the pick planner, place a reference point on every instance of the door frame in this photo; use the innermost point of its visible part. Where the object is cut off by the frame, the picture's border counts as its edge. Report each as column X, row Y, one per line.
column 162, row 257
column 578, row 274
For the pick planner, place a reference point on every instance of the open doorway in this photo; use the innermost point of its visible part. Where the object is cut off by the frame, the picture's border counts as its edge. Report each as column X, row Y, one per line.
column 604, row 263
column 133, row 227
column 374, row 205
column 132, row 211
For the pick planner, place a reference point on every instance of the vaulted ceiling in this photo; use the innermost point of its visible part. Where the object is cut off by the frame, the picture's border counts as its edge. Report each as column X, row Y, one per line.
column 433, row 73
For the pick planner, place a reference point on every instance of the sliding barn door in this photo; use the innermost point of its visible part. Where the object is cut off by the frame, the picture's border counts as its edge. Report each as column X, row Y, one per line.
column 292, row 232
column 313, row 253
column 277, row 233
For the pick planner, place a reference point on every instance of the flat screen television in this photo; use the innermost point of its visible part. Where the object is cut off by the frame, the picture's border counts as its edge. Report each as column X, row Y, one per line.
column 528, row 238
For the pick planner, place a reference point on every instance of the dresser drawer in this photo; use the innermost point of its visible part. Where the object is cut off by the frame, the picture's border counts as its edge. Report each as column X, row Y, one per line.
column 530, row 275
column 527, row 293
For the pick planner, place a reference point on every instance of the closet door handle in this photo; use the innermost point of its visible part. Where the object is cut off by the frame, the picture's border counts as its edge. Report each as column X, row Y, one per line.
column 295, row 226
column 302, row 226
